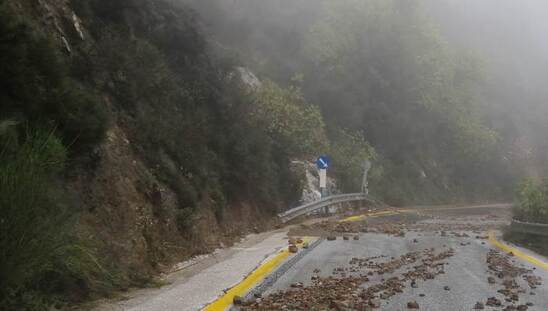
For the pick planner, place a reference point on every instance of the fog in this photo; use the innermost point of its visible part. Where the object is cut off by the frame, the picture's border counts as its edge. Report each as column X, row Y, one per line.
column 511, row 37
column 499, row 46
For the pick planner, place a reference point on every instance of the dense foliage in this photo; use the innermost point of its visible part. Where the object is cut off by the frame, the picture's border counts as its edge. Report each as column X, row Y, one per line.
column 41, row 257
column 287, row 116
column 532, row 201
column 185, row 113
column 382, row 70
column 380, row 67
column 35, row 84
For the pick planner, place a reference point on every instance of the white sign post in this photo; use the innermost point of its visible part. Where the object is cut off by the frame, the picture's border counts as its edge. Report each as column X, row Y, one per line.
column 323, row 181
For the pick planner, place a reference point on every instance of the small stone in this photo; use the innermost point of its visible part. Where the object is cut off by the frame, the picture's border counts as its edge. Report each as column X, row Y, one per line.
column 422, row 295
column 346, row 238
column 414, row 284
column 237, row 300
column 297, row 285
column 493, row 302
column 523, row 308
column 356, row 237
column 491, row 280
column 331, row 238
column 412, row 305
column 375, row 303
column 479, row 306
column 249, row 302
column 446, row 288
column 415, row 241
column 530, row 304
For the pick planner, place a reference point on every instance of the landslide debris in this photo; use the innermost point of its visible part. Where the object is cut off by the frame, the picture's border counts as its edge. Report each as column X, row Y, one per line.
column 345, row 288
column 458, row 226
column 503, row 268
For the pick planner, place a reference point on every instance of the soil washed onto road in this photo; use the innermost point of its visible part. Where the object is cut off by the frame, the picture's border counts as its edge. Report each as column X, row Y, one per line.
column 425, row 260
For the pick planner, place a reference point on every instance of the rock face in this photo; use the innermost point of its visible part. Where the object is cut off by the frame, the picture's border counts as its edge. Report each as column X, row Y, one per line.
column 311, row 188
column 248, row 78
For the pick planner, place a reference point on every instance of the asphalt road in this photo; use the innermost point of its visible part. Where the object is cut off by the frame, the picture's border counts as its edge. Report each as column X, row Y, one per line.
column 462, row 284
column 394, row 260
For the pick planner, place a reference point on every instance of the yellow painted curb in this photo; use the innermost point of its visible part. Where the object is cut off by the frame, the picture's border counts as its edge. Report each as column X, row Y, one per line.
column 516, row 252
column 250, row 281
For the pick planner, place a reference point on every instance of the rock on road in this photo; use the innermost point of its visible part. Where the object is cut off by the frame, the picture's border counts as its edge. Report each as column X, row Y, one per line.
column 437, row 260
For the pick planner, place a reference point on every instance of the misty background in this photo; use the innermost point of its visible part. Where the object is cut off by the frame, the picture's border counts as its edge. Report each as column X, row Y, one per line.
column 506, row 40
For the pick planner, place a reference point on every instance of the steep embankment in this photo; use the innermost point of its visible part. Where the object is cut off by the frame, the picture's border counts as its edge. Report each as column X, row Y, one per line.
column 144, row 144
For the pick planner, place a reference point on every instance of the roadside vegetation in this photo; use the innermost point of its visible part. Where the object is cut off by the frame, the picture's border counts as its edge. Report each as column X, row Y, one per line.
column 43, row 258
column 532, row 201
column 531, row 206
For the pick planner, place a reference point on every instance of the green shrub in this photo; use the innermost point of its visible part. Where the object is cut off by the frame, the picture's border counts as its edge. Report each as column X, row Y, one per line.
column 532, row 201
column 183, row 218
column 286, row 116
column 35, row 84
column 349, row 151
column 40, row 255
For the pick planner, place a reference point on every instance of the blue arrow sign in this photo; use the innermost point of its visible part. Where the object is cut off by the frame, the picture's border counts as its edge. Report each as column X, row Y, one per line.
column 323, row 162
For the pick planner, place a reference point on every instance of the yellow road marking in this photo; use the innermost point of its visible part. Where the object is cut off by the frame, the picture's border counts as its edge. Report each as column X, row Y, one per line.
column 364, row 216
column 516, row 252
column 413, row 210
column 250, row 281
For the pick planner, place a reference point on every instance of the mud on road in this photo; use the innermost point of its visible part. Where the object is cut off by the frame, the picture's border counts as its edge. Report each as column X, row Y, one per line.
column 426, row 260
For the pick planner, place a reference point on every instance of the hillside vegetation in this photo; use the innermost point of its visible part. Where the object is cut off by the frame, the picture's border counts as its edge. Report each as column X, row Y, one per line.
column 129, row 140
column 380, row 70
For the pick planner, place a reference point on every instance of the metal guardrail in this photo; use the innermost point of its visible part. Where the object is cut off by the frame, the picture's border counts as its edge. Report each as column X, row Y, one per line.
column 529, row 227
column 316, row 205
